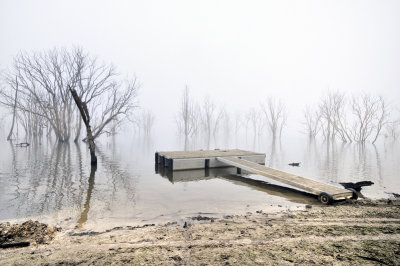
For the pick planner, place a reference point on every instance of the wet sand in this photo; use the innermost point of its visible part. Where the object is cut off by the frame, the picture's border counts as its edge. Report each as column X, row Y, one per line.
column 350, row 233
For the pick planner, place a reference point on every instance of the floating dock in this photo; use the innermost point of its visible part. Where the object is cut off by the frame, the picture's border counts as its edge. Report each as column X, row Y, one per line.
column 188, row 160
column 251, row 162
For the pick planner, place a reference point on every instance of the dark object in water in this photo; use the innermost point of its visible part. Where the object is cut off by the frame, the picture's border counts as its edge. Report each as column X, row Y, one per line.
column 357, row 186
column 294, row 164
column 15, row 245
column 22, row 144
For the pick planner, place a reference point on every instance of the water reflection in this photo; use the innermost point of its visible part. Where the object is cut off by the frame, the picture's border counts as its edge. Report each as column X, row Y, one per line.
column 86, row 206
column 230, row 174
column 49, row 179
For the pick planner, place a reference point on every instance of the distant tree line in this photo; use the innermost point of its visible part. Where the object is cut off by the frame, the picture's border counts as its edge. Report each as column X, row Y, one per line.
column 36, row 93
column 206, row 121
column 359, row 118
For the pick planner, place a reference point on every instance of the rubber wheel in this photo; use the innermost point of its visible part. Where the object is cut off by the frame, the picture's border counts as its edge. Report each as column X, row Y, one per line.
column 325, row 198
column 355, row 194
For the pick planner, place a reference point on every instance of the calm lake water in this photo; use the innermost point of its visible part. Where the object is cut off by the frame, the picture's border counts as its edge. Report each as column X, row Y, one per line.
column 54, row 183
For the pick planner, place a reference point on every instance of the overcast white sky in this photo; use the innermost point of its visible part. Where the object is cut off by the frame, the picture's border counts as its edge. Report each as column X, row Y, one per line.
column 237, row 52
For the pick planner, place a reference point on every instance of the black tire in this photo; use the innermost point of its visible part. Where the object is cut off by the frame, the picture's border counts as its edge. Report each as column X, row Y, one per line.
column 355, row 194
column 325, row 198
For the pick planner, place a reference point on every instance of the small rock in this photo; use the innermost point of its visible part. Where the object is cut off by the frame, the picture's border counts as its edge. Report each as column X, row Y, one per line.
column 176, row 258
column 308, row 206
column 224, row 256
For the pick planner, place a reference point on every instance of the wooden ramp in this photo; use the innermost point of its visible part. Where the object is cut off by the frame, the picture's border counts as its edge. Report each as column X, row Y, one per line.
column 250, row 162
column 327, row 193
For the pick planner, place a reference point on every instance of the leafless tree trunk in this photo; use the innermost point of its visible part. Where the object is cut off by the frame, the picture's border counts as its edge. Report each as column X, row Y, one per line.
column 312, row 120
column 227, row 128
column 275, row 115
column 393, row 129
column 238, row 124
column 382, row 117
column 14, row 111
column 364, row 108
column 146, row 122
column 210, row 117
column 254, row 118
column 187, row 118
column 78, row 128
column 86, row 119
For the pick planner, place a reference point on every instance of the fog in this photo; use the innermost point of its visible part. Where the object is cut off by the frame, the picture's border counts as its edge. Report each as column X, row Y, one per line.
column 236, row 58
column 237, row 53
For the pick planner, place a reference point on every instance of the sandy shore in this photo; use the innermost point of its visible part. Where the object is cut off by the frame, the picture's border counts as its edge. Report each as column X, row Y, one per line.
column 352, row 232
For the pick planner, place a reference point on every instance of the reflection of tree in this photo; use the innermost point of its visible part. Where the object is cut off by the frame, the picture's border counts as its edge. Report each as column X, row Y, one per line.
column 312, row 153
column 84, row 213
column 362, row 166
column 272, row 154
column 378, row 165
column 276, row 154
column 117, row 176
column 15, row 173
column 50, row 177
column 330, row 164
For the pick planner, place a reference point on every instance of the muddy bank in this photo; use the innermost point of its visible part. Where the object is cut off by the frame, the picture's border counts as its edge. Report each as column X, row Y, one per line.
column 25, row 234
column 351, row 232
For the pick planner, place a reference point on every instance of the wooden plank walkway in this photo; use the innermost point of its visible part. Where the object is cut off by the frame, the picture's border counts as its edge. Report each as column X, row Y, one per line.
column 311, row 186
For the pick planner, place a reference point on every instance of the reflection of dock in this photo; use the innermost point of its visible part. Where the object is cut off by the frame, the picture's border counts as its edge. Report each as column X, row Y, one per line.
column 194, row 175
column 230, row 174
column 250, row 162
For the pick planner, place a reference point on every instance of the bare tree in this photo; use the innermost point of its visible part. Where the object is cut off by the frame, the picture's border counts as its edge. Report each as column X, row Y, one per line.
column 381, row 116
column 393, row 129
column 254, row 118
column 14, row 111
column 238, row 125
column 312, row 121
column 364, row 109
column 275, row 115
column 210, row 117
column 187, row 118
column 227, row 123
column 43, row 80
column 145, row 122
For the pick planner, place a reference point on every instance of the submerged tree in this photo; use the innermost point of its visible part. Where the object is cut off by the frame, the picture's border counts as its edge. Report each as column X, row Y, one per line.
column 43, row 80
column 364, row 109
column 275, row 115
column 14, row 108
column 254, row 119
column 187, row 118
column 144, row 122
column 83, row 110
column 381, row 117
column 312, row 121
column 361, row 118
column 333, row 115
column 211, row 117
